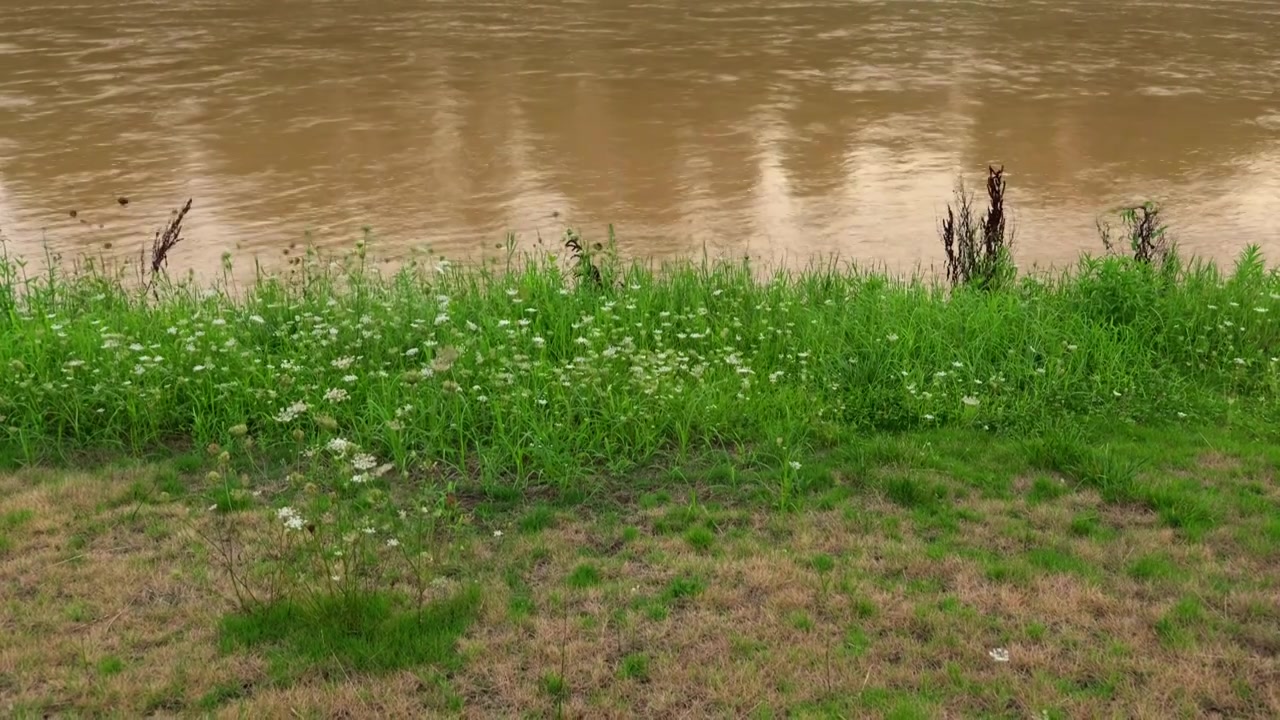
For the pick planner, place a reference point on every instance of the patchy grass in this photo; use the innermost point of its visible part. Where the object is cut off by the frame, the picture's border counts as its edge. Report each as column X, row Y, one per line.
column 880, row 594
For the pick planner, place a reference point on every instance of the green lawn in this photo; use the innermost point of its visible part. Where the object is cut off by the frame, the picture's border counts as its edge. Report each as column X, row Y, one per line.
column 1128, row 576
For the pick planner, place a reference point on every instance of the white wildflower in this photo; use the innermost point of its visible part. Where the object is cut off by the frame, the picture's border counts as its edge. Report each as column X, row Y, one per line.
column 893, row 337
column 348, row 379
column 970, row 400
column 794, row 465
column 336, row 395
column 364, row 461
column 288, row 414
column 392, row 542
column 343, row 363
column 339, row 446
column 290, row 517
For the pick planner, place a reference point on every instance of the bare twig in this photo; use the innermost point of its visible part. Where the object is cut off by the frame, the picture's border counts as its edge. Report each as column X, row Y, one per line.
column 73, row 558
column 977, row 249
column 587, row 269
column 165, row 240
column 1147, row 234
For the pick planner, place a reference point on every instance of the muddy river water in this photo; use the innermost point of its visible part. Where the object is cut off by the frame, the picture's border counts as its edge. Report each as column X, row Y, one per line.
column 786, row 130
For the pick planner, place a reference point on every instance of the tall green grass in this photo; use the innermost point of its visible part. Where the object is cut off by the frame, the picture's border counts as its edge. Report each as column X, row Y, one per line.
column 520, row 371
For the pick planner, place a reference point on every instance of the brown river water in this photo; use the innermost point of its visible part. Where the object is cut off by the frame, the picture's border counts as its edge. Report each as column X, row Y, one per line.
column 782, row 130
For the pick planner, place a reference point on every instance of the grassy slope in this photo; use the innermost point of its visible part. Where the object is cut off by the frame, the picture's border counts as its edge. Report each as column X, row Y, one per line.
column 905, row 560
column 520, row 376
column 830, row 494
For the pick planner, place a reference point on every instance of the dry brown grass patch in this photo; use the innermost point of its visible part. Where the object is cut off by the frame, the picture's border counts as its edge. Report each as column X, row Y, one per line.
column 743, row 625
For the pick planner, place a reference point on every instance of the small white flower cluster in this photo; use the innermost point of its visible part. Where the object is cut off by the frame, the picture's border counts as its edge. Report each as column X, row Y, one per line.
column 290, row 413
column 290, row 517
column 339, row 446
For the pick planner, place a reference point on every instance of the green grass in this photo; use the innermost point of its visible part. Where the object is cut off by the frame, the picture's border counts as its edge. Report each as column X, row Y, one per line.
column 634, row 667
column 363, row 633
column 584, row 576
column 1178, row 628
column 407, row 418
column 517, row 373
column 1156, row 566
column 700, row 538
column 537, row 519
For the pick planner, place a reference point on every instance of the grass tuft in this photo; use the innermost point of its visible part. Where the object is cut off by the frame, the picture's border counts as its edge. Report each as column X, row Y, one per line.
column 358, row 633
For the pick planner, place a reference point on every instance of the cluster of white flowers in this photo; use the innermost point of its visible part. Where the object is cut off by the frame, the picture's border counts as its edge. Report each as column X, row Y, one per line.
column 290, row 517
column 339, row 446
column 290, row 413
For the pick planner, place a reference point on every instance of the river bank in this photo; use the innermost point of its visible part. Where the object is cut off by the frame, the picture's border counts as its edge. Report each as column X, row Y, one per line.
column 530, row 373
column 580, row 487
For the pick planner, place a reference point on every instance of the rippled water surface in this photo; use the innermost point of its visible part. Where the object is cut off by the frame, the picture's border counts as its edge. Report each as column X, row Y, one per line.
column 747, row 126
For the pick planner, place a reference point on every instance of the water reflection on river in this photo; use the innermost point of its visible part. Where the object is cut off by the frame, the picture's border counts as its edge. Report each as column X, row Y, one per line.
column 798, row 129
